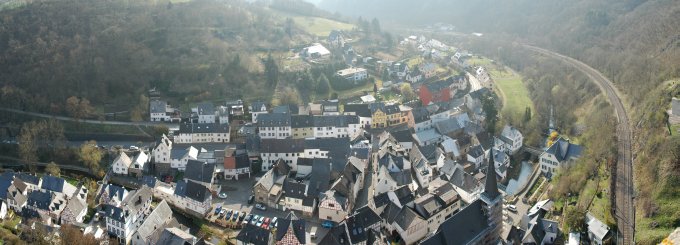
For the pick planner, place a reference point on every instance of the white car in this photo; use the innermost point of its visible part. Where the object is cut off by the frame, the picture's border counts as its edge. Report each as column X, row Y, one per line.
column 512, row 208
column 260, row 207
column 222, row 195
column 259, row 222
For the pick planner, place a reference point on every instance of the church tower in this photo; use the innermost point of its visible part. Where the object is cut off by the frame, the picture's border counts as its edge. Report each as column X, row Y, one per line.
column 492, row 203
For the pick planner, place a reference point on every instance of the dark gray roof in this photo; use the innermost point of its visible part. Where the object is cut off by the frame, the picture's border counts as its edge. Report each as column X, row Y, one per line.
column 5, row 181
column 302, row 121
column 438, row 85
column 402, row 135
column 421, row 114
column 476, row 151
column 298, row 226
column 337, row 235
column 199, row 128
column 28, row 178
column 321, row 177
column 358, row 109
column 157, row 106
column 462, row 228
column 403, row 216
column 39, row 199
column 197, row 191
column 404, row 195
column 564, row 150
column 175, row 236
column 113, row 212
column 251, row 234
column 330, row 105
column 359, row 223
column 477, row 94
column 491, row 185
column 402, row 178
column 274, row 120
column 181, row 188
column 282, row 145
column 199, row 171
column 293, row 189
column 52, row 183
column 257, row 107
column 116, row 191
column 381, row 199
column 485, row 140
column 335, row 120
column 448, row 126
column 281, row 109
column 149, row 181
column 156, row 220
column 206, row 108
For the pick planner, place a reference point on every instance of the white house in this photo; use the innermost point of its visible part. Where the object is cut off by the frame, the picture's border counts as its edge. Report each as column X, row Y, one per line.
column 124, row 219
column 333, row 206
column 510, row 140
column 222, row 114
column 337, row 126
column 156, row 221
column 558, row 155
column 206, row 113
column 180, row 157
column 158, row 111
column 598, row 232
column 121, row 164
column 192, row 133
column 288, row 150
column 161, row 154
column 256, row 109
column 353, row 74
column 274, row 125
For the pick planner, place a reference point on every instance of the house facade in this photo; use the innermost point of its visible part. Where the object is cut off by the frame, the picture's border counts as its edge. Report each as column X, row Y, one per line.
column 274, row 125
column 193, row 133
column 558, row 155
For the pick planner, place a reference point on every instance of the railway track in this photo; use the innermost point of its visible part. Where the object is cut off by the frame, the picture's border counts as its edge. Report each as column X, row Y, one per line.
column 624, row 193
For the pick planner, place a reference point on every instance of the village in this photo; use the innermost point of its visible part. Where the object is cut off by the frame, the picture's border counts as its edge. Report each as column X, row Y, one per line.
column 381, row 168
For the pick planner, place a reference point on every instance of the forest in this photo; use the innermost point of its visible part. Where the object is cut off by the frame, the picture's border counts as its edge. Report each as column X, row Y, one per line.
column 111, row 52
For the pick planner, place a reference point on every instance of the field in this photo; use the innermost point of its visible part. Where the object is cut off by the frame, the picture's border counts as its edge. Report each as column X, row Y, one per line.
column 477, row 61
column 320, row 26
column 515, row 95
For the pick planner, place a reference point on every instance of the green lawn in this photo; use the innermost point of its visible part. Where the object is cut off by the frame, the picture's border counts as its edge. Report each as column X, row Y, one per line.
column 477, row 61
column 515, row 94
column 600, row 206
column 668, row 211
column 320, row 26
column 675, row 129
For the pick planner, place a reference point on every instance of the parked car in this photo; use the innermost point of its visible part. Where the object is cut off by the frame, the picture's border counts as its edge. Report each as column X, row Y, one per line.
column 222, row 195
column 255, row 219
column 512, row 208
column 312, row 232
column 247, row 219
column 266, row 222
column 260, row 207
column 251, row 199
column 235, row 216
column 260, row 222
column 218, row 209
column 327, row 224
column 242, row 217
column 228, row 215
column 274, row 220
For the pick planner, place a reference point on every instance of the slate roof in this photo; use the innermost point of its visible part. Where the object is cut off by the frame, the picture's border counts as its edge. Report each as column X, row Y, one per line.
column 564, row 150
column 320, row 180
column 485, row 140
column 28, row 178
column 421, row 114
column 381, row 199
column 463, row 180
column 175, row 236
column 491, row 185
column 39, row 199
column 256, row 106
column 359, row 223
column 203, row 128
column 206, row 108
column 476, row 151
column 358, row 109
column 282, row 145
column 402, row 177
column 251, row 234
column 158, row 217
column 462, row 227
column 334, row 120
column 199, row 171
column 297, row 225
column 281, row 109
column 157, row 106
column 302, row 121
column 294, row 189
column 337, row 235
column 404, row 217
column 197, row 191
column 438, row 85
column 477, row 94
column 149, row 181
column 402, row 136
column 274, row 120
column 404, row 194
column 52, row 183
column 116, row 191
column 595, row 226
column 5, row 181
column 113, row 212
column 448, row 126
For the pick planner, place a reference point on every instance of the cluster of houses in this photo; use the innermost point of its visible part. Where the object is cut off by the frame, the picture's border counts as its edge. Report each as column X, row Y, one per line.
column 48, row 199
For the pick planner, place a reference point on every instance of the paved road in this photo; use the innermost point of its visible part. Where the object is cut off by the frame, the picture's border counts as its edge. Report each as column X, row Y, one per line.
column 62, row 118
column 475, row 84
column 624, row 192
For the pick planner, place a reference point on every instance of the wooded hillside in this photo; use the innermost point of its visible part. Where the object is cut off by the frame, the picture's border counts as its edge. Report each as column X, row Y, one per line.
column 110, row 52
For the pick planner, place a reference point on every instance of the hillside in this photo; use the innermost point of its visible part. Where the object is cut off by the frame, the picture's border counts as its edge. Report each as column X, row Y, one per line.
column 633, row 42
column 111, row 52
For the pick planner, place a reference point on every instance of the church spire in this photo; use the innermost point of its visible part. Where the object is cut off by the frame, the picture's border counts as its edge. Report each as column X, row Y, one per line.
column 491, row 185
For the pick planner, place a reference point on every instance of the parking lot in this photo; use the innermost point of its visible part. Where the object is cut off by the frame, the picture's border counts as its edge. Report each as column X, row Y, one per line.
column 238, row 192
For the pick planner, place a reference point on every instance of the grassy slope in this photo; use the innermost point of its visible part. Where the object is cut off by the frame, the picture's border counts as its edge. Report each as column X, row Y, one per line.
column 514, row 92
column 315, row 25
